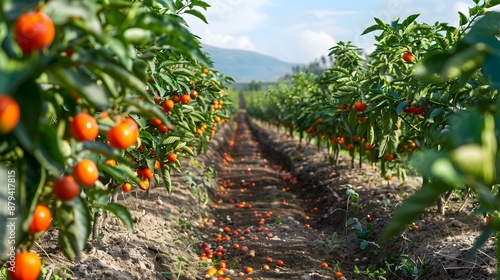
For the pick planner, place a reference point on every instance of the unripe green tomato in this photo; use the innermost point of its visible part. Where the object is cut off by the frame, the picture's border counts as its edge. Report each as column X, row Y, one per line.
column 137, row 36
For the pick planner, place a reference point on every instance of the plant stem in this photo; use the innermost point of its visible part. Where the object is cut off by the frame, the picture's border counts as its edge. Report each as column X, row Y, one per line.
column 346, row 232
column 96, row 225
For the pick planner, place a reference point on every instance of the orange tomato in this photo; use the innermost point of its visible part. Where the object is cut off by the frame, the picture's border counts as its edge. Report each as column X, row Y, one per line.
column 176, row 98
column 408, row 57
column 168, row 105
column 360, row 106
column 27, row 267
column 84, row 127
column 172, row 157
column 144, row 185
column 9, row 114
column 66, row 188
column 185, row 99
column 155, row 121
column 40, row 220
column 85, row 173
column 34, row 31
column 163, row 128
column 110, row 162
column 124, row 134
column 248, row 270
column 147, row 173
column 126, row 187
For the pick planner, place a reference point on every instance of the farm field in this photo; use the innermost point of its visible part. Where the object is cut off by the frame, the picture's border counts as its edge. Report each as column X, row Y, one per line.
column 126, row 154
column 265, row 175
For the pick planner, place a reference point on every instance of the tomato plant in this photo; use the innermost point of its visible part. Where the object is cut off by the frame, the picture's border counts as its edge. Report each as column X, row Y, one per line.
column 427, row 94
column 88, row 95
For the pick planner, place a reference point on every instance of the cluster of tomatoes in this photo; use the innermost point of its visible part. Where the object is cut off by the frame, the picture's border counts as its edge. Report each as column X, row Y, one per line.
column 121, row 137
column 33, row 32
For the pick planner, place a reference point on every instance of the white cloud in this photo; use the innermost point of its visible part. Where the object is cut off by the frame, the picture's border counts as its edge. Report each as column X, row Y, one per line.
column 229, row 21
column 312, row 44
column 234, row 16
column 228, row 41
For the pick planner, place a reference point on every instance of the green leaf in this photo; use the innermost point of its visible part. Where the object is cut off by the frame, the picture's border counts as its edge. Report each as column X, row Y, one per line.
column 13, row 72
column 436, row 112
column 480, row 241
column 431, row 65
column 388, row 121
column 62, row 12
column 492, row 3
column 99, row 63
column 412, row 207
column 31, row 181
column 491, row 70
column 443, row 169
column 380, row 23
column 122, row 213
column 362, row 128
column 171, row 140
column 371, row 135
column 371, row 29
column 179, row 145
column 464, row 63
column 48, row 153
column 353, row 118
column 29, row 96
column 186, row 149
column 170, row 4
column 121, row 172
column 463, row 19
column 74, row 220
column 479, row 160
column 149, row 109
column 165, row 171
column 474, row 161
column 81, row 84
column 138, row 36
column 384, row 143
column 197, row 14
column 12, row 9
column 105, row 150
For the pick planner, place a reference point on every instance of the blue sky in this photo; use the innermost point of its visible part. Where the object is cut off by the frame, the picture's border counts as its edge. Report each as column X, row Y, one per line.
column 301, row 31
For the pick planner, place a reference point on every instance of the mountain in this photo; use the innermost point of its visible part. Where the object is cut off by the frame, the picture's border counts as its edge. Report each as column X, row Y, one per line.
column 246, row 66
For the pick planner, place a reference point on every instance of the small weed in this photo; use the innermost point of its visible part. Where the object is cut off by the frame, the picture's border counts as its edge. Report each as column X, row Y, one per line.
column 328, row 244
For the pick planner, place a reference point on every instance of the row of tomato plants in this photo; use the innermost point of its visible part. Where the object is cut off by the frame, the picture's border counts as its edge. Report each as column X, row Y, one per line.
column 96, row 97
column 426, row 95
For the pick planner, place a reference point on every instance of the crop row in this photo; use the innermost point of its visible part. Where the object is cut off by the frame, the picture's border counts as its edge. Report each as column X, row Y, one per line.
column 425, row 98
column 96, row 97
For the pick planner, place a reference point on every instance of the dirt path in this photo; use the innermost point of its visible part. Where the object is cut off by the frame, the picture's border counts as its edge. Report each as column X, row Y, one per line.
column 255, row 202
